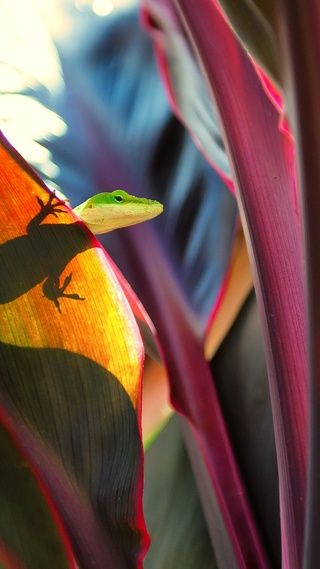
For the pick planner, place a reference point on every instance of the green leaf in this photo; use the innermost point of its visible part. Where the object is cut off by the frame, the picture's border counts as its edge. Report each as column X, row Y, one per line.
column 30, row 531
column 254, row 23
column 174, row 516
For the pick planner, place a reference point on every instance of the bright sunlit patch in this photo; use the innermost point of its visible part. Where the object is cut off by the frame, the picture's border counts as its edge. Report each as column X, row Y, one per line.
column 31, row 116
column 25, row 44
column 102, row 7
column 83, row 5
column 29, row 65
column 11, row 79
column 25, row 121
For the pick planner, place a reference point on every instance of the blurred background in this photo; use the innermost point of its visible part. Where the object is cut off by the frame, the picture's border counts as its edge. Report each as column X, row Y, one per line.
column 81, row 99
column 30, row 70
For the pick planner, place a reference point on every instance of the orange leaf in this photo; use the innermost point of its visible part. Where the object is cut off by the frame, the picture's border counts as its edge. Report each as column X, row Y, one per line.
column 57, row 289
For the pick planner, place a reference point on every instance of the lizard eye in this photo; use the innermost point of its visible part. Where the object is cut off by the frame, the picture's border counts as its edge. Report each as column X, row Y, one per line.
column 118, row 198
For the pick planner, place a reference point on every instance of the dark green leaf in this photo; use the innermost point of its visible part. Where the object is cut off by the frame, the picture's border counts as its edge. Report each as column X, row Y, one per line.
column 29, row 528
column 174, row 517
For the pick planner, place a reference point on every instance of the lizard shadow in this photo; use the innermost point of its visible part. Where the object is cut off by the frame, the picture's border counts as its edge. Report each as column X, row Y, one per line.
column 88, row 428
column 77, row 408
column 41, row 255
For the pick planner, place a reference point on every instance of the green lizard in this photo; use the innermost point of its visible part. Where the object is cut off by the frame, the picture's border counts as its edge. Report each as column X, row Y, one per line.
column 46, row 249
column 112, row 210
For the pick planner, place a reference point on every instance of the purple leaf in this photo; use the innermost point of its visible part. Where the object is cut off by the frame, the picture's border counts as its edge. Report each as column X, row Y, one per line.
column 298, row 35
column 265, row 191
column 193, row 393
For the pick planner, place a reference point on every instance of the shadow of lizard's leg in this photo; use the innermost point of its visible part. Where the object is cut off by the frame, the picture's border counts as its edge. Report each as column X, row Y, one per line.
column 53, row 291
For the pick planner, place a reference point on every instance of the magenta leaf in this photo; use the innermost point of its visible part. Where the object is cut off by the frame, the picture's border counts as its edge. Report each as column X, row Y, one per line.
column 298, row 28
column 190, row 376
column 266, row 198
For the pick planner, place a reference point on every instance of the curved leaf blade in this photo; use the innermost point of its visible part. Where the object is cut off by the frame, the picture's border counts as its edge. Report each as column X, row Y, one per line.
column 71, row 356
column 269, row 217
column 298, row 25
